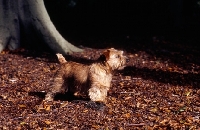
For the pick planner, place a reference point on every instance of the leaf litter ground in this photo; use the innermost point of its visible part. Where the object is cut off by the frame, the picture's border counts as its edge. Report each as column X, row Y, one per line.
column 159, row 89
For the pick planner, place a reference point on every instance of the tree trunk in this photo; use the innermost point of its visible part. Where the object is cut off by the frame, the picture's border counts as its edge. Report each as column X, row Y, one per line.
column 32, row 18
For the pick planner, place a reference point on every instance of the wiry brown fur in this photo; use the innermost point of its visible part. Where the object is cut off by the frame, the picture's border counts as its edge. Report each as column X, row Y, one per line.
column 87, row 80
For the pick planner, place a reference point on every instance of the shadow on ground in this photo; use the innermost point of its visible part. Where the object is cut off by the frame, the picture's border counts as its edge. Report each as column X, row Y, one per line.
column 173, row 78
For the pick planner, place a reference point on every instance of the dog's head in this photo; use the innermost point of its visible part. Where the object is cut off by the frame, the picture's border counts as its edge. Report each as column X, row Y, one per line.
column 114, row 58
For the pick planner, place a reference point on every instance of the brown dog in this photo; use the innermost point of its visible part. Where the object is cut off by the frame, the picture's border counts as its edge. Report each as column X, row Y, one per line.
column 87, row 80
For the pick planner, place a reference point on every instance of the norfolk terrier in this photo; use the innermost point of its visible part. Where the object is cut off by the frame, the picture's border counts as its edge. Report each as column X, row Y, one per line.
column 92, row 80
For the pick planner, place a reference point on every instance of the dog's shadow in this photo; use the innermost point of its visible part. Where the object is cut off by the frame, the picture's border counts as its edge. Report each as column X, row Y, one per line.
column 62, row 97
column 71, row 98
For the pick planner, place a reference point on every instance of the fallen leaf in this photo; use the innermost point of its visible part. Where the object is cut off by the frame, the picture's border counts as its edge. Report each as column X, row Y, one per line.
column 22, row 123
column 95, row 126
column 64, row 104
column 127, row 98
column 187, row 93
column 182, row 109
column 22, row 105
column 48, row 107
column 153, row 110
column 86, row 110
column 47, row 122
column 127, row 115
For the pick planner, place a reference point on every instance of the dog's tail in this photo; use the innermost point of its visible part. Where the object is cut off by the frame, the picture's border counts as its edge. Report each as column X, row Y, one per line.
column 61, row 59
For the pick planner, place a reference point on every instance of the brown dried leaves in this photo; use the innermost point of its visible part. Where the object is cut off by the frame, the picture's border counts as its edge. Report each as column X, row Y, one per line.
column 149, row 94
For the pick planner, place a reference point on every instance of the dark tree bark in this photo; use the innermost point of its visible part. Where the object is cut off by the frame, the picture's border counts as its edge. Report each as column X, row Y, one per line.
column 32, row 17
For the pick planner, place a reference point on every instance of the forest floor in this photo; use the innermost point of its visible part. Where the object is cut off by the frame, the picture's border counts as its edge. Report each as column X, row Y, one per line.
column 158, row 89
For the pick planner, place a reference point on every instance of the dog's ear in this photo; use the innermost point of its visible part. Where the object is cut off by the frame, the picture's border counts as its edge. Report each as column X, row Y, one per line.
column 102, row 58
column 106, row 54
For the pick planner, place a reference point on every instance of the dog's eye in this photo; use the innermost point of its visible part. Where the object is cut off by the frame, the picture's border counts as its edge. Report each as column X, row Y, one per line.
column 117, row 56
